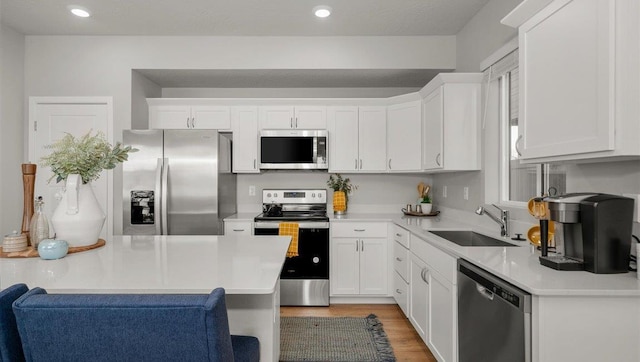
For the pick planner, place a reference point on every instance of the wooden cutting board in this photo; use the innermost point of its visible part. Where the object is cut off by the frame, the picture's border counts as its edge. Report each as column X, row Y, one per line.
column 33, row 253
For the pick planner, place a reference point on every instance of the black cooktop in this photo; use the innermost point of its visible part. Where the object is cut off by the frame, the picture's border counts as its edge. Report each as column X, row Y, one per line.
column 293, row 216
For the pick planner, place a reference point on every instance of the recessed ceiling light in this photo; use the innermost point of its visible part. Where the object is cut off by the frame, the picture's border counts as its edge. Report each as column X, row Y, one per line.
column 322, row 11
column 79, row 11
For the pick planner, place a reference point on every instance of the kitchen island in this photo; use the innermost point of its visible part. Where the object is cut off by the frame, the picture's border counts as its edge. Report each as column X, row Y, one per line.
column 247, row 267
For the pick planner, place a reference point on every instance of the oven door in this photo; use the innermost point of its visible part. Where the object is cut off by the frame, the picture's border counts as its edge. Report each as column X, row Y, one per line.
column 313, row 250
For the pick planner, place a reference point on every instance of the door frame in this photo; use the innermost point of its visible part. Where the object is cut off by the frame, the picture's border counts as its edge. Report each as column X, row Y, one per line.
column 34, row 102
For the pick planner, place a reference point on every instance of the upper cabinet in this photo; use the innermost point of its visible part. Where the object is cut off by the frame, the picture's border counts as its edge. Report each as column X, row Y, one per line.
column 290, row 117
column 579, row 77
column 184, row 116
column 357, row 138
column 451, row 122
column 404, row 139
column 245, row 139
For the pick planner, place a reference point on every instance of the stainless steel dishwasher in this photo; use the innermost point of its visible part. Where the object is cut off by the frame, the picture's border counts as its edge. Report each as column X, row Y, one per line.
column 494, row 317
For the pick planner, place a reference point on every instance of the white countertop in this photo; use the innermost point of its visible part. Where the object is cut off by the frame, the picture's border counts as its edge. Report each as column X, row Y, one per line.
column 242, row 216
column 158, row 264
column 518, row 265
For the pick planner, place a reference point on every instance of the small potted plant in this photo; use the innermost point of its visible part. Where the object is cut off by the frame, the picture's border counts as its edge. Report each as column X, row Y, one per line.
column 426, row 204
column 342, row 187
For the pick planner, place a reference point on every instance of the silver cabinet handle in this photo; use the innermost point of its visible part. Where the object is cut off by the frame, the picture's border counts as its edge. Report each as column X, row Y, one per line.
column 389, row 164
column 438, row 159
column 362, row 248
column 255, row 162
column 359, row 230
column 517, row 143
column 357, row 245
column 398, row 291
column 238, row 230
column 193, row 122
column 188, row 122
column 296, row 122
column 399, row 235
column 356, row 163
column 423, row 275
column 361, row 164
column 398, row 259
column 291, row 122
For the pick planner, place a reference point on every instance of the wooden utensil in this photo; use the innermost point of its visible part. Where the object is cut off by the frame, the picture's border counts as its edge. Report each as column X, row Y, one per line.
column 421, row 186
column 426, row 191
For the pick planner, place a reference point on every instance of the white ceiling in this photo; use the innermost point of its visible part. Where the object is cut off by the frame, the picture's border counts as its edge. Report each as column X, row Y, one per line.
column 252, row 18
column 241, row 17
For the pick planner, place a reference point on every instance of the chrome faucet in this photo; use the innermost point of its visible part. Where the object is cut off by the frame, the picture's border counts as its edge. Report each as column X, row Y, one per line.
column 503, row 221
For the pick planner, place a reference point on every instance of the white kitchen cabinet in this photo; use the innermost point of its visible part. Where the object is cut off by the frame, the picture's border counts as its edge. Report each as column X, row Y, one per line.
column 579, row 79
column 245, row 139
column 293, row 117
column 451, row 122
column 178, row 116
column 404, row 136
column 433, row 307
column 357, row 138
column 238, row 227
column 401, row 293
column 359, row 259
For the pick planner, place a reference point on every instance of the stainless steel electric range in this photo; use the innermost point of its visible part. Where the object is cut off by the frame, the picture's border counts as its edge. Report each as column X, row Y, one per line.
column 304, row 280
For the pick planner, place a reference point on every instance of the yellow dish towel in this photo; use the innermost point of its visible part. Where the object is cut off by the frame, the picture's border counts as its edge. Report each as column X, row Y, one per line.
column 290, row 229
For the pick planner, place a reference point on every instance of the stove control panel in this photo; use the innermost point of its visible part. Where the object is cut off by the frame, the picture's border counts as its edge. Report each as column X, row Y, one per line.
column 289, row 196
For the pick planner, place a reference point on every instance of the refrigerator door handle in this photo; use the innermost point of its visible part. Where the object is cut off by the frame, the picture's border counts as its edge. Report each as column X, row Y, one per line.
column 157, row 208
column 164, row 202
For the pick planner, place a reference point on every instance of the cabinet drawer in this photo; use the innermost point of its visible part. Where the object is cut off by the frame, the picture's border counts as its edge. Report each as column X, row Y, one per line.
column 238, row 228
column 401, row 293
column 437, row 259
column 359, row 230
column 401, row 235
column 401, row 260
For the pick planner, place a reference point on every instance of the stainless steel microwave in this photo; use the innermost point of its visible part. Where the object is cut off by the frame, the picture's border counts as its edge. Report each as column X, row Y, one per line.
column 294, row 150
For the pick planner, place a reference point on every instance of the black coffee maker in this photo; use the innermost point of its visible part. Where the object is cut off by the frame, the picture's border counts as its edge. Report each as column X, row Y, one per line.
column 595, row 232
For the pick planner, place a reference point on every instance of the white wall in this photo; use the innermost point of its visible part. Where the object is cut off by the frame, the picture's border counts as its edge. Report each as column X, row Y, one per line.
column 102, row 65
column 141, row 89
column 11, row 128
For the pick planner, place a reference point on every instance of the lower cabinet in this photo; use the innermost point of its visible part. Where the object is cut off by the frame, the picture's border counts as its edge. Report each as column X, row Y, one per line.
column 238, row 227
column 359, row 259
column 433, row 298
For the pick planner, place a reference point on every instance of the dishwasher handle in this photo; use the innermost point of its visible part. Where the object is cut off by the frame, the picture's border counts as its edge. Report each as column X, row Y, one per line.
column 485, row 292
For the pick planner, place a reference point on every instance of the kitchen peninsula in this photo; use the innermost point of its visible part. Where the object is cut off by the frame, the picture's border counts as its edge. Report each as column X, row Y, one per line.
column 247, row 267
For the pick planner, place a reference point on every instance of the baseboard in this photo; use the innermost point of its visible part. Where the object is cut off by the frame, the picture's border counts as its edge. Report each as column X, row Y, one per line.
column 362, row 300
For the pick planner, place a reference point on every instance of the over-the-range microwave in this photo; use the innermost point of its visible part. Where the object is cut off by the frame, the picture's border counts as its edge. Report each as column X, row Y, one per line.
column 294, row 150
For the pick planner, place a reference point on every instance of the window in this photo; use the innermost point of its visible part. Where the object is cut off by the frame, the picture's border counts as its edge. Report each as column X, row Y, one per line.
column 518, row 181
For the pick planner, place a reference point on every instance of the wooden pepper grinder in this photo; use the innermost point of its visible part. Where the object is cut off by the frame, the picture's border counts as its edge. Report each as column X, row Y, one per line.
column 28, row 184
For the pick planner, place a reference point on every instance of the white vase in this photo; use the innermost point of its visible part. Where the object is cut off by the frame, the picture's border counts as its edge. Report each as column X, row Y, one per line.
column 78, row 219
column 426, row 208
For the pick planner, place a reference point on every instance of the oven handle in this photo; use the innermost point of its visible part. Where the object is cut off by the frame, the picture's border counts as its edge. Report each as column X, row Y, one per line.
column 303, row 225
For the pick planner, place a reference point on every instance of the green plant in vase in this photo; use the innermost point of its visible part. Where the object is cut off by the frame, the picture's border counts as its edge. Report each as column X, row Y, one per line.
column 342, row 187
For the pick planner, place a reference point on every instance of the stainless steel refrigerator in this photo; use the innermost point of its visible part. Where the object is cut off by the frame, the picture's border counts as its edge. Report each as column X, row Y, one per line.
column 178, row 183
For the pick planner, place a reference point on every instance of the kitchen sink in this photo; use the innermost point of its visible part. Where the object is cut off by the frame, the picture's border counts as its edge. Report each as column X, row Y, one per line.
column 469, row 238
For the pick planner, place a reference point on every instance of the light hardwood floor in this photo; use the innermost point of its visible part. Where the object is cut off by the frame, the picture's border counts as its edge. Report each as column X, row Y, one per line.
column 406, row 343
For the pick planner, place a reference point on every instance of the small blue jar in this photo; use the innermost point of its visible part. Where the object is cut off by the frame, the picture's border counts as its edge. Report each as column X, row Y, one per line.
column 50, row 249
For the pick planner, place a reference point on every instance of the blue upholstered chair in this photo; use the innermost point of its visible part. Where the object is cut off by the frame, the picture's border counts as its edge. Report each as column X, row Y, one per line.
column 10, row 346
column 129, row 327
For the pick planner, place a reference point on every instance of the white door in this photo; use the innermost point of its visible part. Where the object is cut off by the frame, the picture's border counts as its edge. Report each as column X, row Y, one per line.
column 345, row 256
column 170, row 117
column 309, row 117
column 404, row 136
column 432, row 131
column 442, row 332
column 418, row 296
column 343, row 139
column 372, row 139
column 245, row 139
column 276, row 117
column 49, row 120
column 211, row 117
column 373, row 266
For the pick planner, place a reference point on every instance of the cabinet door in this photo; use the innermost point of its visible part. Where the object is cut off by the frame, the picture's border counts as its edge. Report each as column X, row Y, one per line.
column 442, row 332
column 170, row 117
column 401, row 293
column 211, row 117
column 245, row 139
column 432, row 132
column 343, row 138
column 309, row 117
column 404, row 136
column 238, row 228
column 345, row 261
column 373, row 266
column 276, row 117
column 567, row 73
column 372, row 138
column 418, row 296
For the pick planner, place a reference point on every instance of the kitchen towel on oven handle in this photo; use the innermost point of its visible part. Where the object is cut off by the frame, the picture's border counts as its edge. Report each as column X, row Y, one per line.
column 290, row 229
